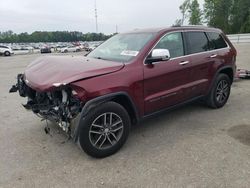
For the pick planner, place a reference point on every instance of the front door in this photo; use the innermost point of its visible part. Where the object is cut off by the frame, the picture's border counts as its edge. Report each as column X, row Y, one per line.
column 166, row 82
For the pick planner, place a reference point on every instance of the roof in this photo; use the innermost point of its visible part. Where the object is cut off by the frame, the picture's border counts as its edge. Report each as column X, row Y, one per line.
column 174, row 28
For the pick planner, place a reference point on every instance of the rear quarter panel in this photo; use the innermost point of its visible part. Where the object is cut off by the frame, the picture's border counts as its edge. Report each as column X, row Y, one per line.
column 225, row 59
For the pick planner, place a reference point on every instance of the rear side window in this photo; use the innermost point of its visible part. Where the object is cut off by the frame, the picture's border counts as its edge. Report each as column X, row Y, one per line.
column 216, row 41
column 3, row 47
column 196, row 42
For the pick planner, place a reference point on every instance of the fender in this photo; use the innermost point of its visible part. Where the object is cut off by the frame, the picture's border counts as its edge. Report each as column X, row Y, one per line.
column 217, row 73
column 91, row 104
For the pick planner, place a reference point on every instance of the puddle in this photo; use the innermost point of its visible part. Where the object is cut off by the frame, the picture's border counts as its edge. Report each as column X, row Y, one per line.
column 240, row 133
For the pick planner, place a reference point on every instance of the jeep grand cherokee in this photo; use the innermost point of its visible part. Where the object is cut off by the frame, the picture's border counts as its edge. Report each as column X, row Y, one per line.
column 96, row 98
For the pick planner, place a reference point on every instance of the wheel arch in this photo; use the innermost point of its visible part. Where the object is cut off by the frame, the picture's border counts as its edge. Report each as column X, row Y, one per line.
column 121, row 98
column 6, row 51
column 228, row 70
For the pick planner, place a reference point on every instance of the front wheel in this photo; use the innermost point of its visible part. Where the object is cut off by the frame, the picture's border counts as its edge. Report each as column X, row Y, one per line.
column 104, row 130
column 220, row 92
column 7, row 53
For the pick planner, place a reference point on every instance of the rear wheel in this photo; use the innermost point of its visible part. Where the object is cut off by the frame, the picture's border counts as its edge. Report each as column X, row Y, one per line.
column 220, row 92
column 104, row 130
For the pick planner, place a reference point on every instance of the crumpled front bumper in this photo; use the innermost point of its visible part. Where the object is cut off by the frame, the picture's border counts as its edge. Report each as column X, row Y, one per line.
column 59, row 107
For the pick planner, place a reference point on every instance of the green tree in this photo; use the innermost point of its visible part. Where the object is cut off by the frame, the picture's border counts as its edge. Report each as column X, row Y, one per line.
column 240, row 16
column 232, row 16
column 56, row 36
column 195, row 13
column 177, row 23
column 218, row 13
column 184, row 10
column 245, row 28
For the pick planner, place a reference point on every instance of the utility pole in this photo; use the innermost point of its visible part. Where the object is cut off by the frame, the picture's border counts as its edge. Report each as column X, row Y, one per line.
column 116, row 28
column 96, row 23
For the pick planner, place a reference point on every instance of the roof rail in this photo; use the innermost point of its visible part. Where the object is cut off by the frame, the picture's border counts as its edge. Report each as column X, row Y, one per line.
column 189, row 26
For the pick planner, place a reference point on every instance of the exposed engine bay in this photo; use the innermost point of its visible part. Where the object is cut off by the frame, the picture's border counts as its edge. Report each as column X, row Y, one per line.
column 59, row 106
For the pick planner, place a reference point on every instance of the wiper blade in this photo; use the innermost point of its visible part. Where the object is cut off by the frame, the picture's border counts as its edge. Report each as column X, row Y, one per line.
column 102, row 58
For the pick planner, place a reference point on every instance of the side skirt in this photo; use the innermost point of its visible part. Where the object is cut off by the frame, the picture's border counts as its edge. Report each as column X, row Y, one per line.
column 171, row 108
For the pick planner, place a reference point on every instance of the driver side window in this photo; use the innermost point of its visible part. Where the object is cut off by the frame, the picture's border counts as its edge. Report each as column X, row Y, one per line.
column 172, row 42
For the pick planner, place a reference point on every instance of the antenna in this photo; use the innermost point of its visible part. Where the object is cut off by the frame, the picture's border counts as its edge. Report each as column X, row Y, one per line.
column 96, row 23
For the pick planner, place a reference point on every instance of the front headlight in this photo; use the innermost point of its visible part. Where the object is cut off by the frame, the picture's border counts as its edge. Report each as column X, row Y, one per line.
column 78, row 92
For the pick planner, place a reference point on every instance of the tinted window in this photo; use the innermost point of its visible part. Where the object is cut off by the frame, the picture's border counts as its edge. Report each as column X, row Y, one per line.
column 174, row 43
column 197, row 42
column 216, row 41
column 3, row 47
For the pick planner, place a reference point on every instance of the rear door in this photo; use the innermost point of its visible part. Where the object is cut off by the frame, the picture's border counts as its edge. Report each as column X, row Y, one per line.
column 166, row 82
column 221, row 52
column 202, row 59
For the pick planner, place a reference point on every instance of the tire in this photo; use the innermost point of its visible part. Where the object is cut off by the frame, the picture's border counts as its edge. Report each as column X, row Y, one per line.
column 98, row 140
column 7, row 53
column 218, row 96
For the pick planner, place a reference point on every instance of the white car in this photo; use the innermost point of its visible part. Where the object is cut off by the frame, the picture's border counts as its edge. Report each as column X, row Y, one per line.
column 70, row 49
column 5, row 50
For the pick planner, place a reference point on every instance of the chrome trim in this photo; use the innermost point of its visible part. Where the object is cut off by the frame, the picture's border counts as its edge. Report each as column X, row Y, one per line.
column 184, row 63
column 183, row 31
column 213, row 56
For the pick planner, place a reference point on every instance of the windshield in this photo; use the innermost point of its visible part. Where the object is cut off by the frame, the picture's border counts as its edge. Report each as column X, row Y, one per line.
column 122, row 47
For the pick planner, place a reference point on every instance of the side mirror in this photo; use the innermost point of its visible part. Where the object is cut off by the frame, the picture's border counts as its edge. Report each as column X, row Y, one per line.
column 158, row 55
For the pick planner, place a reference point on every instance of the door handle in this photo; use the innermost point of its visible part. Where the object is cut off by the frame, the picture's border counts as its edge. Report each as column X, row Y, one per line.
column 213, row 56
column 184, row 62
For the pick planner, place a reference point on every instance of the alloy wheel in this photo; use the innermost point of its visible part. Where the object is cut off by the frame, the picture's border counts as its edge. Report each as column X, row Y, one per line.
column 222, row 91
column 106, row 130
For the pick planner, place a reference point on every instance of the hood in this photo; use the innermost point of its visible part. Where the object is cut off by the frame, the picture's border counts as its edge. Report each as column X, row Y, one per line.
column 44, row 73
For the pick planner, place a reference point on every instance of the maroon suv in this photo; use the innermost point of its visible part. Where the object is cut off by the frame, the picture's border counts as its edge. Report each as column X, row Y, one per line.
column 96, row 98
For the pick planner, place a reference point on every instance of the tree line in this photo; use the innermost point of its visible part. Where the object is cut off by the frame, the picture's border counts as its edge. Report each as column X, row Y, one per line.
column 232, row 16
column 56, row 36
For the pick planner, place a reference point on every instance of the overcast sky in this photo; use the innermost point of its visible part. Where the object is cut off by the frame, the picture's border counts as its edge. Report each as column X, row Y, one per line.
column 78, row 15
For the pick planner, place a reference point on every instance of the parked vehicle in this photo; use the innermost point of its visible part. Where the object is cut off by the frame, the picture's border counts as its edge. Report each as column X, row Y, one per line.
column 29, row 48
column 242, row 74
column 5, row 50
column 70, row 49
column 16, row 47
column 45, row 49
column 132, row 76
column 91, row 48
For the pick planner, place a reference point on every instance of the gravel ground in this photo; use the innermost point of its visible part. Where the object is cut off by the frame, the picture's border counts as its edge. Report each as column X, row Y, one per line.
column 190, row 147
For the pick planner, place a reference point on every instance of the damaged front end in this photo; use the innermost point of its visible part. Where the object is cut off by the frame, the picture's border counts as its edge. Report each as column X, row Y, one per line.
column 60, row 105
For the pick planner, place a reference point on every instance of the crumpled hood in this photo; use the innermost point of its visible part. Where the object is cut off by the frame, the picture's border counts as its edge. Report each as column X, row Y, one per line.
column 43, row 73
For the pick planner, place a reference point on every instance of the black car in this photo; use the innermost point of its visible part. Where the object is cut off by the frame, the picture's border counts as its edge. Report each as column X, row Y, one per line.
column 46, row 50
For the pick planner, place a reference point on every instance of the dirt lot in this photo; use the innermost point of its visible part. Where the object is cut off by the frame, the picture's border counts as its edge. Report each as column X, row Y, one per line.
column 189, row 147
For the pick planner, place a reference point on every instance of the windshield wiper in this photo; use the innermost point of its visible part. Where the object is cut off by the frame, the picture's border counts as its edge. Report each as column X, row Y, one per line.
column 101, row 58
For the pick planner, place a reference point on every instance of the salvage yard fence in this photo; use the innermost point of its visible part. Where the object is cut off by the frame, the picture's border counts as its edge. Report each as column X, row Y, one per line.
column 239, row 38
